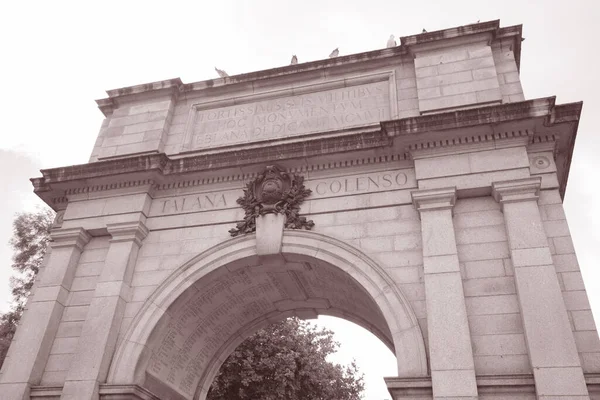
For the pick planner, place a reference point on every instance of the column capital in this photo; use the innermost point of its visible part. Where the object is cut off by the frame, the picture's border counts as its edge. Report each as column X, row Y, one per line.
column 69, row 237
column 128, row 231
column 517, row 190
column 434, row 199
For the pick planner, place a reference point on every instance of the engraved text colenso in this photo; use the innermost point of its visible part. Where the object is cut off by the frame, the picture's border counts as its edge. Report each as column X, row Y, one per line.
column 293, row 115
column 321, row 188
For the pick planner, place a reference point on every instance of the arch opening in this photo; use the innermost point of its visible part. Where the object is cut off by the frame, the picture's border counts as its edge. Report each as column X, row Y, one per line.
column 192, row 323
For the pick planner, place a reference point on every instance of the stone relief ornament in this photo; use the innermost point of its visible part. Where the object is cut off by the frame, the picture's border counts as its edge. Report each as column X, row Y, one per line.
column 273, row 191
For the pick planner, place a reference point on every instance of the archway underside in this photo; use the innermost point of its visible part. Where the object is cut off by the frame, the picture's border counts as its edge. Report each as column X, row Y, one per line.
column 214, row 315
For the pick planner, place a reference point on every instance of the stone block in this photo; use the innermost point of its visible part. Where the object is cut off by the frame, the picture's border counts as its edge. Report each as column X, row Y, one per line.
column 454, row 384
column 440, row 264
column 583, row 320
column 478, row 218
column 489, row 286
column 74, row 313
column 572, row 280
column 406, row 274
column 377, row 244
column 587, row 341
column 482, row 251
column 590, row 362
column 556, row 228
column 531, row 257
column 484, row 73
column 485, row 234
column 475, row 205
column 499, row 345
column 449, row 337
column 472, row 86
column 495, row 324
column 447, row 102
column 500, row 159
column 465, row 65
column 565, row 262
column 429, row 93
column 576, row 300
column 438, row 233
column 484, row 269
column 489, row 305
column 69, row 329
column 563, row 245
column 566, row 381
column 410, row 241
column 503, row 365
column 67, row 345
column 442, row 80
column 550, row 339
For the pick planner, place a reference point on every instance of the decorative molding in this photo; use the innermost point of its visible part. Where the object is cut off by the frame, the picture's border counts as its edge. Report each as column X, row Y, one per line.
column 125, row 392
column 273, row 191
column 69, row 237
column 518, row 190
column 128, row 231
column 434, row 199
column 45, row 392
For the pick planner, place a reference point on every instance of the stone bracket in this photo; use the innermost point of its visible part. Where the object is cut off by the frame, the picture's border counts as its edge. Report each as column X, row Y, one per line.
column 269, row 237
column 517, row 190
column 69, row 237
column 128, row 231
column 434, row 199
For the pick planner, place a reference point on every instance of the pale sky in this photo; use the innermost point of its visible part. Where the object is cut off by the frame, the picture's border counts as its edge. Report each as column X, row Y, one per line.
column 57, row 57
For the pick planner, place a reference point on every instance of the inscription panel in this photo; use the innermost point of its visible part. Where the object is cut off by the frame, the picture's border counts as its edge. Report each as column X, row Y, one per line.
column 288, row 116
column 321, row 188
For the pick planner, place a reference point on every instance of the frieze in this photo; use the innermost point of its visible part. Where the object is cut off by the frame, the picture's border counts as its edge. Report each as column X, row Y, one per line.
column 321, row 188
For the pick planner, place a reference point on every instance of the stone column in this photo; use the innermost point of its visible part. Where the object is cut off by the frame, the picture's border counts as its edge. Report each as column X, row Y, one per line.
column 39, row 324
column 450, row 351
column 101, row 327
column 552, row 350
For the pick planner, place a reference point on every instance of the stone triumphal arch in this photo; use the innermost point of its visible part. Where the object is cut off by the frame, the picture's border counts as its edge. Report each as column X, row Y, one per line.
column 412, row 190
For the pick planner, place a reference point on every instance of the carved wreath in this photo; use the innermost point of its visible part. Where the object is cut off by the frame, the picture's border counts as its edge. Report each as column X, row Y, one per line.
column 273, row 191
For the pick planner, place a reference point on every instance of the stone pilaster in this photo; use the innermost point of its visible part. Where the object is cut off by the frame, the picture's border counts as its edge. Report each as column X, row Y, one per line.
column 450, row 351
column 40, row 322
column 100, row 330
column 552, row 350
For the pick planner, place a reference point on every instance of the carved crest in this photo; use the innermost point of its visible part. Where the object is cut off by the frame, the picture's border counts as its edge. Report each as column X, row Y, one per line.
column 273, row 191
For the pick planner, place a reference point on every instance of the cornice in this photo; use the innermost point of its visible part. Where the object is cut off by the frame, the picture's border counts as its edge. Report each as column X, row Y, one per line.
column 394, row 140
column 542, row 107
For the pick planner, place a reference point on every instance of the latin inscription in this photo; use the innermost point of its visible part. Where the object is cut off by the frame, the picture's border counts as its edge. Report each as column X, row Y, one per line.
column 291, row 116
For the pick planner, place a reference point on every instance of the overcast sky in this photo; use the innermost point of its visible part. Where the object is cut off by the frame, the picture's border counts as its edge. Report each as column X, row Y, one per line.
column 58, row 57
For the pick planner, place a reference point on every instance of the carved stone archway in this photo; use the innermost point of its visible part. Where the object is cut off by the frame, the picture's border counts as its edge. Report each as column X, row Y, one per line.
column 389, row 315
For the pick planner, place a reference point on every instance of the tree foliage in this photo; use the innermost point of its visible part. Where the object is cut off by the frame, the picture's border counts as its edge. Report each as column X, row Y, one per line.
column 286, row 361
column 31, row 234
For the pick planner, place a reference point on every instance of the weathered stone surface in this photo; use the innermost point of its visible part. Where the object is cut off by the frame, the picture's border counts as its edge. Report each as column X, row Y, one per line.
column 476, row 288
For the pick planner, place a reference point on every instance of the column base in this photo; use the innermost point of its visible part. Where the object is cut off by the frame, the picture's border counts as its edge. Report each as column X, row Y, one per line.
column 488, row 387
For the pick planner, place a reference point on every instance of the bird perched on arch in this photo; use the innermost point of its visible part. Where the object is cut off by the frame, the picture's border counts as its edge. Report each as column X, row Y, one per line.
column 334, row 53
column 221, row 73
column 294, row 60
column 424, row 31
column 391, row 42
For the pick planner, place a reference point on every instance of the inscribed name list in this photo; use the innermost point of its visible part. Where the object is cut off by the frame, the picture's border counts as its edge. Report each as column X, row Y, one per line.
column 291, row 116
